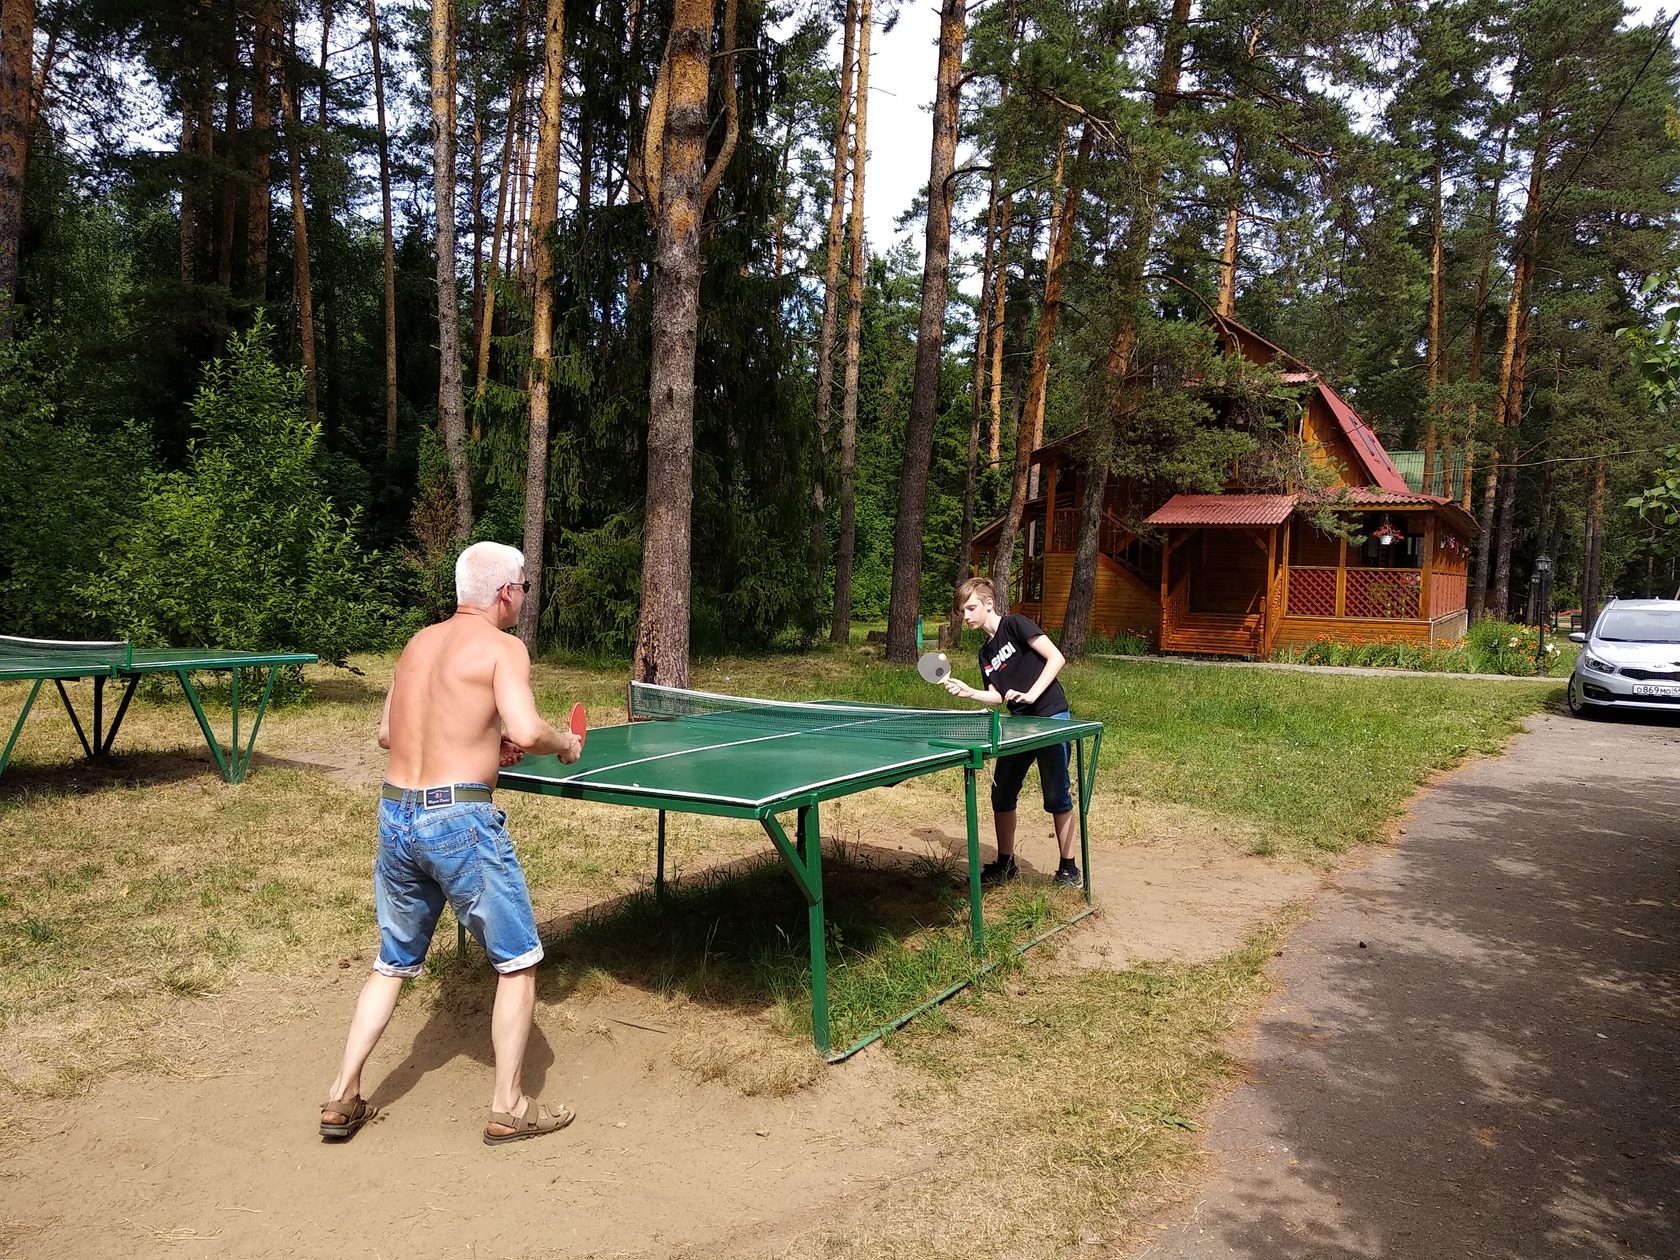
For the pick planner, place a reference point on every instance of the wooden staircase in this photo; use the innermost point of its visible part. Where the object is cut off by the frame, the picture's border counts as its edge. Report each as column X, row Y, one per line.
column 1217, row 634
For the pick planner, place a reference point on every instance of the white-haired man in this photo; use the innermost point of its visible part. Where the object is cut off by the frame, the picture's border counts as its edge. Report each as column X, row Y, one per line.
column 460, row 706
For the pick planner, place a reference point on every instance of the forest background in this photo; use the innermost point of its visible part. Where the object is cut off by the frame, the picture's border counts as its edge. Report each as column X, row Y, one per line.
column 670, row 364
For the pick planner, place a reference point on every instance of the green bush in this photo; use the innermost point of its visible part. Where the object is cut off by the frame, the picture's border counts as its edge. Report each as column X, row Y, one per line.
column 243, row 549
column 1492, row 647
column 1503, row 647
column 68, row 491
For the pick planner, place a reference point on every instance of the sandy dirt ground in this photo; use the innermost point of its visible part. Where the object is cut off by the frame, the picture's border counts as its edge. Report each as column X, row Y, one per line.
column 219, row 1155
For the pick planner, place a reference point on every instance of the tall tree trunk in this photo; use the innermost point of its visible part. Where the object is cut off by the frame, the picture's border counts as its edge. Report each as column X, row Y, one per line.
column 258, row 202
column 486, row 319
column 43, row 73
column 1000, row 287
column 17, row 76
column 388, row 237
column 1501, row 599
column 840, row 625
column 188, row 225
column 302, row 292
column 1436, row 301
column 1228, row 252
column 1483, row 283
column 475, row 184
column 1505, row 416
column 1497, row 445
column 514, row 263
column 831, row 306
column 635, row 168
column 451, row 422
column 326, row 79
column 780, row 234
column 1594, row 551
column 230, row 128
column 545, row 205
column 905, row 602
column 1028, row 433
column 1133, row 263
column 977, row 404
column 661, row 654
column 1082, row 594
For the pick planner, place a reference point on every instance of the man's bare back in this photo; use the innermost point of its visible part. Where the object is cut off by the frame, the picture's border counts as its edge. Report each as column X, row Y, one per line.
column 460, row 707
column 461, row 690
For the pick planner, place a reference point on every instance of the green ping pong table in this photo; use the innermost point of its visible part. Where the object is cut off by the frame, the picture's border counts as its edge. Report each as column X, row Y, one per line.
column 735, row 757
column 40, row 661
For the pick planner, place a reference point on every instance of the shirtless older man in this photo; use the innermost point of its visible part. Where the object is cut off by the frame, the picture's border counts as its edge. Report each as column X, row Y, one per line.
column 460, row 706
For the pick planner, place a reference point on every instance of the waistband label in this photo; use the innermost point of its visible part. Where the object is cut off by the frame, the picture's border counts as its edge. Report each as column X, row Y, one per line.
column 437, row 797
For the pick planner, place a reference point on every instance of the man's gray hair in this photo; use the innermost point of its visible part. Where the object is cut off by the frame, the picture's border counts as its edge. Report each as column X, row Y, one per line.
column 483, row 569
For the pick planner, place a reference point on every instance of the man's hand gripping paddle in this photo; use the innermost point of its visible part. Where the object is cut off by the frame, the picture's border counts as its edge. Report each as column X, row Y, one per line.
column 934, row 667
column 579, row 724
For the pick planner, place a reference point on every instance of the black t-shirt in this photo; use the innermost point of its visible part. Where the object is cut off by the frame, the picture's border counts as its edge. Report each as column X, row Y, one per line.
column 1008, row 663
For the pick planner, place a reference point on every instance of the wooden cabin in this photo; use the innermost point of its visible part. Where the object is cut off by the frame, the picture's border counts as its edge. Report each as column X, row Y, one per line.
column 1248, row 574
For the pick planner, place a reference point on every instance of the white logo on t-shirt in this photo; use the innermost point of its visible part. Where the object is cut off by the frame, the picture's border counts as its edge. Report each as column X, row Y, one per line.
column 1004, row 653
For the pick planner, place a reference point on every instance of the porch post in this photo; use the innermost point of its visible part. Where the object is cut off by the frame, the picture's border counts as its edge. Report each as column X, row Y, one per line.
column 1288, row 532
column 1425, row 600
column 1050, row 476
column 1341, row 577
column 1270, row 619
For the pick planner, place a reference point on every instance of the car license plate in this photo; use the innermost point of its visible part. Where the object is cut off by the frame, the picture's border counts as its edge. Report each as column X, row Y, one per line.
column 1666, row 690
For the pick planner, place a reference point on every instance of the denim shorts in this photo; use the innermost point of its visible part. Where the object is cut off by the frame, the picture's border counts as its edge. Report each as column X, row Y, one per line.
column 460, row 854
column 1010, row 772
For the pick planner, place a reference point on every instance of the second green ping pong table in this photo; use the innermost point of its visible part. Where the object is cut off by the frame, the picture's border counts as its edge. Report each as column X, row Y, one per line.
column 737, row 757
column 40, row 661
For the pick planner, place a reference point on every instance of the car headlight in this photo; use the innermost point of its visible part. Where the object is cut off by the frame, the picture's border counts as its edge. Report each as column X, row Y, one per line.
column 1597, row 666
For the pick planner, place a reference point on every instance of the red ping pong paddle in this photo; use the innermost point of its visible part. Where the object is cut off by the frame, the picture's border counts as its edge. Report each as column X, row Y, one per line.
column 579, row 723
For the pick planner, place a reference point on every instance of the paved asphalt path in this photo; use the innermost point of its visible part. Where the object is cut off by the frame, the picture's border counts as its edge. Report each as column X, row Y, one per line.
column 1475, row 1048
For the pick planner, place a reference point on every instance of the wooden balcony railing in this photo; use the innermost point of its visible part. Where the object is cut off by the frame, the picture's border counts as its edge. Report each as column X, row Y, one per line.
column 1315, row 591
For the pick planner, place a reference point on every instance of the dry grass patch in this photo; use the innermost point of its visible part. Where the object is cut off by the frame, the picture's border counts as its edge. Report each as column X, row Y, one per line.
column 1061, row 1102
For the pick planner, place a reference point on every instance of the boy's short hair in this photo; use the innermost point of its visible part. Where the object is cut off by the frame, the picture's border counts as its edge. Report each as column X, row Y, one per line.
column 977, row 586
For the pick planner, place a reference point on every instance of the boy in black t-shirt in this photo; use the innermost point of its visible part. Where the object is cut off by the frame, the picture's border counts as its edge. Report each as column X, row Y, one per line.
column 1020, row 664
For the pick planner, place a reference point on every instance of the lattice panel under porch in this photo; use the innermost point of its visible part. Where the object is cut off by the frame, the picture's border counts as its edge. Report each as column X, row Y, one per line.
column 1383, row 593
column 1312, row 592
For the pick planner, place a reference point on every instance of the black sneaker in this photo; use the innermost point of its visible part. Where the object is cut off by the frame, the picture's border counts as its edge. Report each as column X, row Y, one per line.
column 1068, row 877
column 999, row 871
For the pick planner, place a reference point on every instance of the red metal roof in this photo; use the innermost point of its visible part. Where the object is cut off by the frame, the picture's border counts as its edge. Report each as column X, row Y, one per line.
column 1371, row 496
column 1365, row 444
column 1236, row 510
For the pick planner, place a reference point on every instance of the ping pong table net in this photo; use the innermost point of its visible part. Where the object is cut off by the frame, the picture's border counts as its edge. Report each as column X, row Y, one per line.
column 15, row 650
column 968, row 728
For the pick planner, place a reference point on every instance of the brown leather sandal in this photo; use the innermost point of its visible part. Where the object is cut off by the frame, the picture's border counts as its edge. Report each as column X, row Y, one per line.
column 537, row 1121
column 356, row 1111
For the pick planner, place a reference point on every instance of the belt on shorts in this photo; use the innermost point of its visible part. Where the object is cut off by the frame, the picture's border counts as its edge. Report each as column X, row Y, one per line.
column 438, row 797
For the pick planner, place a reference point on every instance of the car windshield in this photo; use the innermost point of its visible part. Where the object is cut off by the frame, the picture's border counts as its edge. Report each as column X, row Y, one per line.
column 1640, row 625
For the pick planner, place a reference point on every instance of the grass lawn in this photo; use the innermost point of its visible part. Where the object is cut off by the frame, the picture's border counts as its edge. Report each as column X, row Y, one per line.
column 133, row 886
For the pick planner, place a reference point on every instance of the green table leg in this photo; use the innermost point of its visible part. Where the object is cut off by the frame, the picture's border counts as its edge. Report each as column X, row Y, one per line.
column 1087, row 784
column 803, row 858
column 976, row 926
column 75, row 721
column 110, row 737
column 17, row 727
column 237, row 761
column 659, row 874
column 810, row 837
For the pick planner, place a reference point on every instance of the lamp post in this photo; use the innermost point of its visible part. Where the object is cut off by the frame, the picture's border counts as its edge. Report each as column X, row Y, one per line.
column 1542, row 606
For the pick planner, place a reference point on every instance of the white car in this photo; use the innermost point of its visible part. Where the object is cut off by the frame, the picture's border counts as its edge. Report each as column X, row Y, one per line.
column 1629, row 660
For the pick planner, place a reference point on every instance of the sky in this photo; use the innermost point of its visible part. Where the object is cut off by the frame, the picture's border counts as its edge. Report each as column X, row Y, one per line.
column 901, row 126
